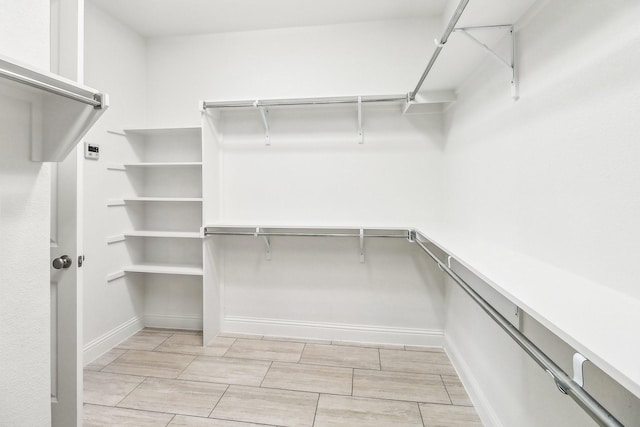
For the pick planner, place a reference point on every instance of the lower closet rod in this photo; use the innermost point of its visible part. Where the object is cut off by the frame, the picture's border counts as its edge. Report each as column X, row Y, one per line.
column 285, row 234
column 565, row 384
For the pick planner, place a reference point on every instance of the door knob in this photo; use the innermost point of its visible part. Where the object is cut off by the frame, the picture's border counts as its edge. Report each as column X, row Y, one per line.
column 63, row 262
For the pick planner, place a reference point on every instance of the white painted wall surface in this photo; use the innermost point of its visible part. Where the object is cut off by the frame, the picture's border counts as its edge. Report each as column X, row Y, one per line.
column 25, row 397
column 115, row 61
column 314, row 173
column 350, row 59
column 554, row 176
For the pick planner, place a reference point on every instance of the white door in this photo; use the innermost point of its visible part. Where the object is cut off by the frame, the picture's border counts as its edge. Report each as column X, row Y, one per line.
column 67, row 28
column 66, row 294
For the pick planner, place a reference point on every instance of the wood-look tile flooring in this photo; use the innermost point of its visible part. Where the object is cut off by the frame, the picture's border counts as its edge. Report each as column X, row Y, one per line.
column 166, row 378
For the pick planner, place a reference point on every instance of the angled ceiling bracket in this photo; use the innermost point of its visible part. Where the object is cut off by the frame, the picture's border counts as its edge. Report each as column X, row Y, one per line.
column 509, row 63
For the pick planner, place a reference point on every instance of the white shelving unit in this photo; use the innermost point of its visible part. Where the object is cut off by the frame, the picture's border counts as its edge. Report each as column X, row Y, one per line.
column 166, row 206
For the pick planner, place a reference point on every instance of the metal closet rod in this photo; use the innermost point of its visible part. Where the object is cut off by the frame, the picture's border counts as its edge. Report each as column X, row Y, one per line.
column 305, row 101
column 33, row 79
column 440, row 44
column 564, row 383
column 395, row 233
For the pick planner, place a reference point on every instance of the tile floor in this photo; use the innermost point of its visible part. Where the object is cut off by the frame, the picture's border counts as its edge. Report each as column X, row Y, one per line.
column 166, row 378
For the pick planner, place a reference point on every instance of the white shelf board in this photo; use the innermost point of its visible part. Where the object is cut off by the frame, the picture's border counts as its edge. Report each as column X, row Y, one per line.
column 169, row 234
column 58, row 111
column 120, row 202
column 597, row 321
column 163, row 131
column 163, row 164
column 157, row 268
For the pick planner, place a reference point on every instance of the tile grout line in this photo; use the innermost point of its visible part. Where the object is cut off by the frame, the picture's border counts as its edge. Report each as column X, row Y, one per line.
column 446, row 389
column 265, row 374
column 128, row 394
column 229, row 348
column 185, row 368
column 171, row 420
column 218, row 402
column 421, row 416
column 315, row 413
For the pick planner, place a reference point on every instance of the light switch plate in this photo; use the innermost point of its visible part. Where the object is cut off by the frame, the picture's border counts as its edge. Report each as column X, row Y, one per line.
column 91, row 151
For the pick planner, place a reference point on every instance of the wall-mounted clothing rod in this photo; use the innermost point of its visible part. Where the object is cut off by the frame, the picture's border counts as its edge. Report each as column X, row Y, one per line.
column 565, row 384
column 439, row 45
column 50, row 83
column 305, row 101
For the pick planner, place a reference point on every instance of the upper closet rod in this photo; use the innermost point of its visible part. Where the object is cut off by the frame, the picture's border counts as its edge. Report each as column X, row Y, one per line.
column 49, row 83
column 439, row 46
column 304, row 101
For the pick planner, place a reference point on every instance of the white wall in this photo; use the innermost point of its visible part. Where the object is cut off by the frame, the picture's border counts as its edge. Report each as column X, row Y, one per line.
column 25, row 395
column 314, row 173
column 115, row 61
column 555, row 176
column 350, row 59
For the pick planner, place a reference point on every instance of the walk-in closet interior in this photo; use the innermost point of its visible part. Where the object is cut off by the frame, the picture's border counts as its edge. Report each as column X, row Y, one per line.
column 433, row 205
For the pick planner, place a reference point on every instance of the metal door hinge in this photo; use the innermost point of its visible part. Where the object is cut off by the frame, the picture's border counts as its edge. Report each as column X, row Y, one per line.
column 80, row 260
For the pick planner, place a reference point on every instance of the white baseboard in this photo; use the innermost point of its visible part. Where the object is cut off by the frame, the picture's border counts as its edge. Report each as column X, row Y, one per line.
column 333, row 331
column 172, row 321
column 480, row 401
column 96, row 348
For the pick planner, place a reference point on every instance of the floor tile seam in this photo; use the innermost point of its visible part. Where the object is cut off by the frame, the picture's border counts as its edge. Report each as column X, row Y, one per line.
column 421, row 416
column 265, row 374
column 312, row 365
column 444, row 384
column 334, row 366
column 229, row 348
column 132, row 409
column 379, row 361
column 315, row 412
column 413, row 402
column 401, row 372
column 113, row 361
column 297, row 390
column 128, row 394
column 188, row 364
column 171, row 420
column 387, row 399
column 257, row 359
column 221, row 396
column 394, row 369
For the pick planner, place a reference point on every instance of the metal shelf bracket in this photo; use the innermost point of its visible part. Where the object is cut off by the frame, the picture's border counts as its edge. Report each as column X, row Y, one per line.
column 578, row 369
column 267, row 244
column 360, row 132
column 264, row 112
column 509, row 63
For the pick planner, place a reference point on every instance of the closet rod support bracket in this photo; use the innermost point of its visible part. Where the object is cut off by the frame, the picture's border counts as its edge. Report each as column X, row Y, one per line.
column 264, row 113
column 509, row 63
column 267, row 244
column 578, row 368
column 360, row 131
column 362, row 246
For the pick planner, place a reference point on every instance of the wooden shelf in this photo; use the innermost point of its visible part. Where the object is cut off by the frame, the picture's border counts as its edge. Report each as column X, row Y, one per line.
column 122, row 202
column 168, row 234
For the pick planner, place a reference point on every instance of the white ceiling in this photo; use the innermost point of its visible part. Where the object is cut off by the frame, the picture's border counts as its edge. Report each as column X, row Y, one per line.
column 157, row 18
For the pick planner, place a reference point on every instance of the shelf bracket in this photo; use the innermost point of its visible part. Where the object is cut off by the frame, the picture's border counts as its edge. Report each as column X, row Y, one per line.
column 264, row 112
column 578, row 369
column 509, row 63
column 267, row 244
column 360, row 131
column 362, row 246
